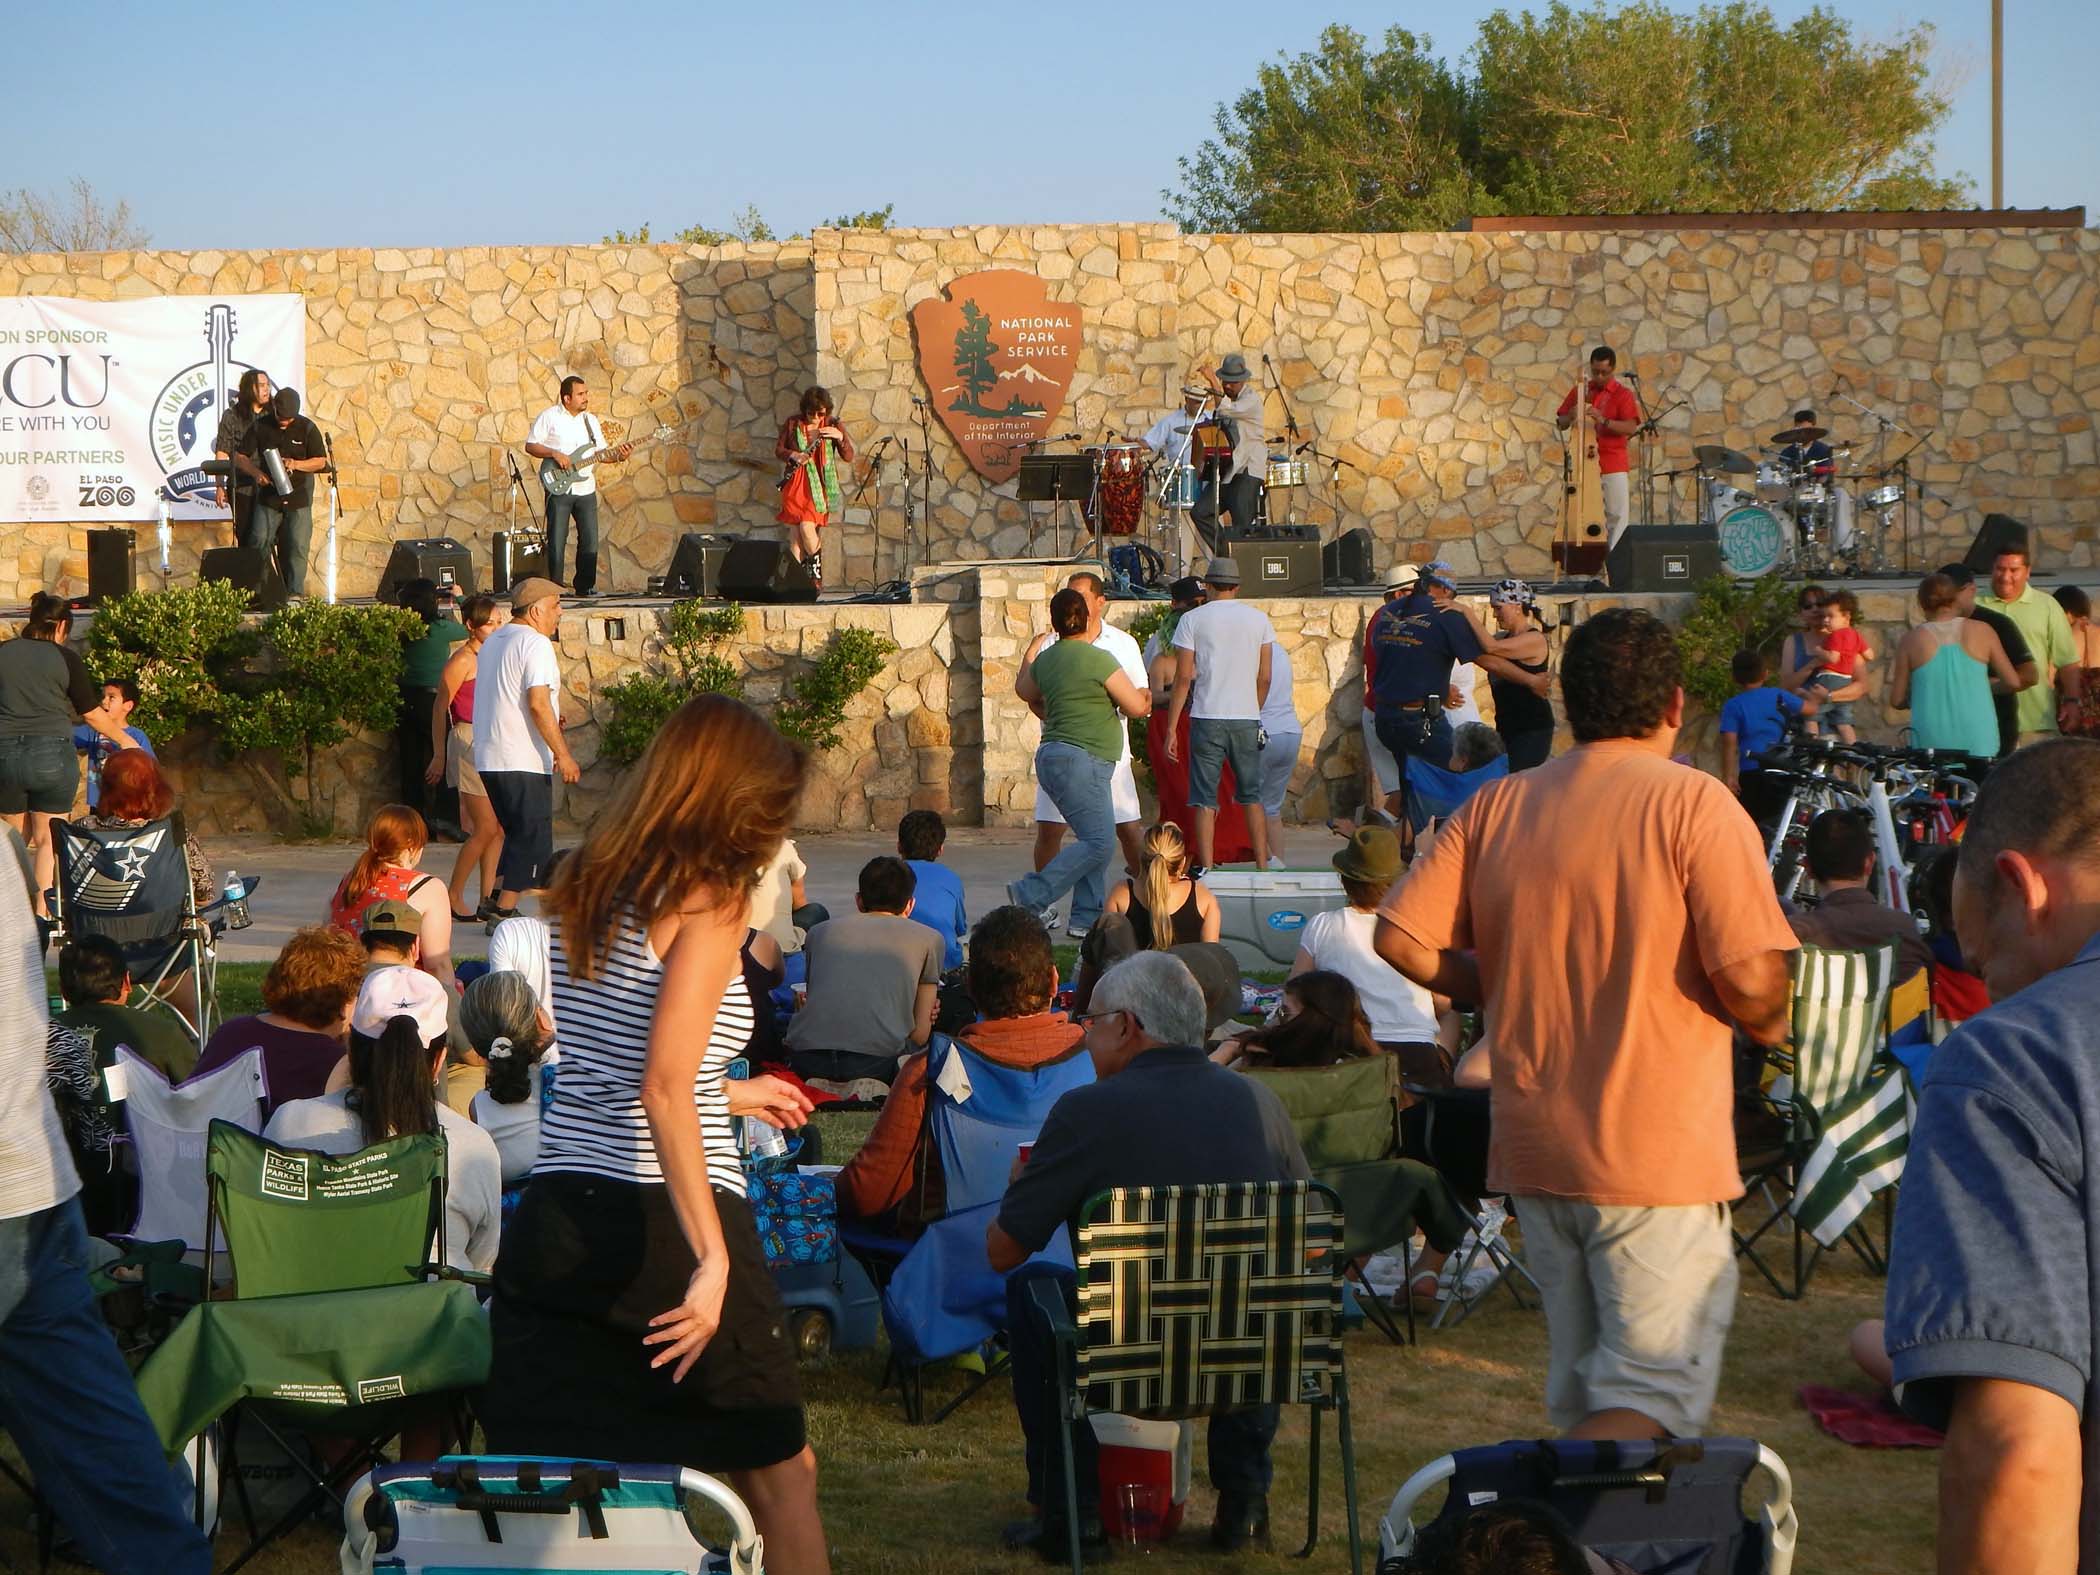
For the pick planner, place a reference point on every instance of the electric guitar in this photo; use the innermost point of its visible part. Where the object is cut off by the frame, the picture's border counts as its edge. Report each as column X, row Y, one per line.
column 560, row 482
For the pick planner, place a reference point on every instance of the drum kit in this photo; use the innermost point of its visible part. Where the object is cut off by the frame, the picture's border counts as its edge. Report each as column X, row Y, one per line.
column 1123, row 474
column 1789, row 510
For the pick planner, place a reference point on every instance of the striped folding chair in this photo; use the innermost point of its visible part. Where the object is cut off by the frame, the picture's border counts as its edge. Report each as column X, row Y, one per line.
column 1198, row 1299
column 1845, row 1112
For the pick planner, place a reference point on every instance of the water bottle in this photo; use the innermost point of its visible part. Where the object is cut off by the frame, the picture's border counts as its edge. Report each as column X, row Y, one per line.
column 763, row 1141
column 236, row 902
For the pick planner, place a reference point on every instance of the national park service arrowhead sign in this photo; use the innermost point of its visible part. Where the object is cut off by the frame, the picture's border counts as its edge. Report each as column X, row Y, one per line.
column 998, row 356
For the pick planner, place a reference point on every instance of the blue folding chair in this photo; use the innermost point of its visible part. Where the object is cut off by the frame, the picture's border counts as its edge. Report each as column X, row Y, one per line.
column 1660, row 1505
column 1435, row 793
column 935, row 1302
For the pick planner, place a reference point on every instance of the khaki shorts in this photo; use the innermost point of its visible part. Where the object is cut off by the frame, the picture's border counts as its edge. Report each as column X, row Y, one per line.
column 1638, row 1304
column 459, row 760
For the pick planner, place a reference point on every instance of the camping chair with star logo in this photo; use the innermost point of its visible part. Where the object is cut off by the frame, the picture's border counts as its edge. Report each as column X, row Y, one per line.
column 131, row 885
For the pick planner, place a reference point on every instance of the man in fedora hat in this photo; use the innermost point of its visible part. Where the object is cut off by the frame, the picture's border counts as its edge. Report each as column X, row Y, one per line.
column 1238, row 491
column 1222, row 666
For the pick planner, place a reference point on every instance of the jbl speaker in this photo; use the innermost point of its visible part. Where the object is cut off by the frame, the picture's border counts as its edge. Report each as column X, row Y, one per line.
column 1347, row 559
column 764, row 571
column 1664, row 557
column 1281, row 561
column 1999, row 533
column 436, row 558
column 510, row 562
column 109, row 564
column 696, row 567
column 250, row 569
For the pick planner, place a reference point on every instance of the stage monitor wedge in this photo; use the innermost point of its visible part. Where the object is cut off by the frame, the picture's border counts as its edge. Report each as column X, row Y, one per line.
column 764, row 571
column 109, row 564
column 1664, row 558
column 696, row 565
column 1347, row 559
column 250, row 569
column 436, row 558
column 1280, row 561
column 514, row 558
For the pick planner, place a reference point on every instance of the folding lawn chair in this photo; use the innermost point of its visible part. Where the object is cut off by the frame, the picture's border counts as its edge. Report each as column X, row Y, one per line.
column 1846, row 1111
column 977, row 1113
column 1347, row 1118
column 1659, row 1505
column 131, row 885
column 1436, row 792
column 334, row 1327
column 1195, row 1299
column 1456, row 1126
column 168, row 1126
column 501, row 1512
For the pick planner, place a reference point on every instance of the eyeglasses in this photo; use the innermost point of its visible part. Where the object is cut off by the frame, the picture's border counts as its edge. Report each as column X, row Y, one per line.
column 1085, row 1018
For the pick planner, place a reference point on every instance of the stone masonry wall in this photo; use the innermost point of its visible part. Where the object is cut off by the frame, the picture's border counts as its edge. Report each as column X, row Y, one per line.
column 1429, row 363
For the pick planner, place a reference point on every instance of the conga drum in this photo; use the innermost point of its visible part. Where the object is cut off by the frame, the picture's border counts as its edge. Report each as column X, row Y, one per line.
column 1119, row 496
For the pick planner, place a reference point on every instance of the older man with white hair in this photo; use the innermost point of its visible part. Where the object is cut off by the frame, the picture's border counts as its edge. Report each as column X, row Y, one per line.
column 1161, row 1114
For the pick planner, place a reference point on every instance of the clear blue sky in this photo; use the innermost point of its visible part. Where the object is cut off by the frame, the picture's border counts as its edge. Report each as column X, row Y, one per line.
column 452, row 122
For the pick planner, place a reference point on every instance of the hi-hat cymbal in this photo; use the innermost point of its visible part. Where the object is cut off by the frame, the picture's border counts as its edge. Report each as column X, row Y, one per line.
column 1724, row 461
column 1798, row 435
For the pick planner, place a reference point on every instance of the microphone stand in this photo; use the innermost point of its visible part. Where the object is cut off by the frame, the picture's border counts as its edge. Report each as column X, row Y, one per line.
column 328, row 448
column 911, row 558
column 1645, row 430
column 1290, row 428
column 1884, row 425
column 872, row 477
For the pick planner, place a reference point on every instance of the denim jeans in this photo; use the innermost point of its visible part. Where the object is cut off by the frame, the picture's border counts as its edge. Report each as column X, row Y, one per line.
column 290, row 532
column 1239, row 1439
column 560, row 507
column 1078, row 784
column 1212, row 742
column 69, row 1403
column 38, row 771
column 1405, row 733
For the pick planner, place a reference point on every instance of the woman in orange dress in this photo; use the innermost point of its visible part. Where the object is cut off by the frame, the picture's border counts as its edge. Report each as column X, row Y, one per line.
column 812, row 447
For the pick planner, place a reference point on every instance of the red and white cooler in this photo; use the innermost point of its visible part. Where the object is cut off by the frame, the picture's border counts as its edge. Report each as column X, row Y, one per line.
column 1151, row 1458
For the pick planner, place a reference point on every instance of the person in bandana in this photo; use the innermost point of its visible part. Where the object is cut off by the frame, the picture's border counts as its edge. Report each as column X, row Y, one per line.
column 1523, row 713
column 811, row 447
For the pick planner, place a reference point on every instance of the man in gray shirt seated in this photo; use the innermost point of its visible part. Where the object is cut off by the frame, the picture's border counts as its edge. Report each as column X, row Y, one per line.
column 874, row 979
column 1850, row 917
column 1161, row 1115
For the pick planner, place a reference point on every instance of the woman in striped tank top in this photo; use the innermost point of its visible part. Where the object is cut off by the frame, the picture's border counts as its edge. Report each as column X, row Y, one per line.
column 633, row 1315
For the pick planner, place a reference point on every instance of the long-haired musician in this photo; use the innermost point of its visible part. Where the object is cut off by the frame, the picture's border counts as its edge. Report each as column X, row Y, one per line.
column 250, row 403
column 1618, row 416
column 812, row 446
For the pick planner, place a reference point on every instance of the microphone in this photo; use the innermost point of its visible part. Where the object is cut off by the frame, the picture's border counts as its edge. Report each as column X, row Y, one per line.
column 1302, row 447
column 1265, row 358
column 915, row 399
column 1632, row 376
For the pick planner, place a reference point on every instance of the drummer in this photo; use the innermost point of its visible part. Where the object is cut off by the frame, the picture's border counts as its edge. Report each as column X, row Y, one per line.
column 1813, row 460
column 1168, row 440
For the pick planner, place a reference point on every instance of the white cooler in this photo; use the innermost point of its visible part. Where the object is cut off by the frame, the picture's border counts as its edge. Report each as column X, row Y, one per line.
column 1135, row 1452
column 1264, row 910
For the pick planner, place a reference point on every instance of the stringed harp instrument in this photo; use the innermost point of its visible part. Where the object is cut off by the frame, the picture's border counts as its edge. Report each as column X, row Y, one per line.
column 1580, row 542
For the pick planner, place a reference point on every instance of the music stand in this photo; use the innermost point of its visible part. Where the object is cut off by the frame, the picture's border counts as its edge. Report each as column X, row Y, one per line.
column 1055, row 479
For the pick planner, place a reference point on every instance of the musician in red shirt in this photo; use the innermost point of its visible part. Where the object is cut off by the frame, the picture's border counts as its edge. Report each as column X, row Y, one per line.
column 1618, row 416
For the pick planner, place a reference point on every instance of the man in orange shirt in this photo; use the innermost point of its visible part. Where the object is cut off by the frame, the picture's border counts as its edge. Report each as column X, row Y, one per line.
column 1613, row 913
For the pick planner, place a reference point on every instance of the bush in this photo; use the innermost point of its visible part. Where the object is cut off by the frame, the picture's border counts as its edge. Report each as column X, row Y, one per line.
column 640, row 703
column 182, row 647
column 1731, row 616
column 815, row 709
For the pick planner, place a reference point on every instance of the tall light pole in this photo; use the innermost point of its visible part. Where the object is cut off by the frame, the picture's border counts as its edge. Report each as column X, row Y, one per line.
column 1997, row 103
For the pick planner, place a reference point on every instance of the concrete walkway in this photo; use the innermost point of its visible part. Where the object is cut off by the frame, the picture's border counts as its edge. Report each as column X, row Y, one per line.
column 297, row 880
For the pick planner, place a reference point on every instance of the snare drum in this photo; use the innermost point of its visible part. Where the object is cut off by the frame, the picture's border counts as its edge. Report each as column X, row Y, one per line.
column 1751, row 541
column 1284, row 471
column 1120, row 495
column 1775, row 481
column 1885, row 497
column 1180, row 490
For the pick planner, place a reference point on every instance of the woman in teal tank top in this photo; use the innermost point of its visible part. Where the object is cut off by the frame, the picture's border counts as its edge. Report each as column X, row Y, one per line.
column 1943, row 673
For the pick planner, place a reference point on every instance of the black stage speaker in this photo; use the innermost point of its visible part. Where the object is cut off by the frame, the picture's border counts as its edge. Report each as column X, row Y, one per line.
column 249, row 568
column 510, row 564
column 438, row 558
column 1283, row 560
column 763, row 571
column 1998, row 533
column 109, row 564
column 1347, row 559
column 696, row 567
column 1664, row 557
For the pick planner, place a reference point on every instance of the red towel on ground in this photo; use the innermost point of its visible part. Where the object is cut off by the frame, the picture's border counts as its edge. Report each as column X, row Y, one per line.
column 1866, row 1421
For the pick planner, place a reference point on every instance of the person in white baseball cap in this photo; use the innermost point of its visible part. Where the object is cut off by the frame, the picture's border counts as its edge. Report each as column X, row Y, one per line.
column 397, row 1043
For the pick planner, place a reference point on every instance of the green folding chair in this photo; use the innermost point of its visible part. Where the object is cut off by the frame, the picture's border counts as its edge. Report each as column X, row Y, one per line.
column 1347, row 1118
column 1199, row 1299
column 337, row 1324
column 1835, row 1092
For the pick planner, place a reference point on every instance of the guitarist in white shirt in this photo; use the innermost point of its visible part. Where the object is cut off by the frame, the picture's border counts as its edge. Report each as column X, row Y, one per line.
column 559, row 432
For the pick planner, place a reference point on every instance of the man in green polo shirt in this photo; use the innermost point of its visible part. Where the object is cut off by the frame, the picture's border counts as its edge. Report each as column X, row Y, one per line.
column 2040, row 710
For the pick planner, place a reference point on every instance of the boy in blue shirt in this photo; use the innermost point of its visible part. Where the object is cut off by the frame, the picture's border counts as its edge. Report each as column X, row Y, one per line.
column 120, row 697
column 1752, row 721
column 938, row 900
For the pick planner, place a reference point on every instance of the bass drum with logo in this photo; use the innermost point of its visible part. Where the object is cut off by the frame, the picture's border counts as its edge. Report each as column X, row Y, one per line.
column 1752, row 540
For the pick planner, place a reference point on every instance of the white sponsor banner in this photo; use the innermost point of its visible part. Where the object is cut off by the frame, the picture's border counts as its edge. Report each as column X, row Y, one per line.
column 106, row 405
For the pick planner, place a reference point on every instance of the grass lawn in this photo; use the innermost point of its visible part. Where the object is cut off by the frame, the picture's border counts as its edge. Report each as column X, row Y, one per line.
column 899, row 1498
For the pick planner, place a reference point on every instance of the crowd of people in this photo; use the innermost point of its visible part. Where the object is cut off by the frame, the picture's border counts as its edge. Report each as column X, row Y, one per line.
column 1593, row 937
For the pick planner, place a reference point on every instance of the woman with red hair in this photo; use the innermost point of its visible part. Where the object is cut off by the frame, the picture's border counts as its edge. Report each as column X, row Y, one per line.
column 386, row 873
column 134, row 793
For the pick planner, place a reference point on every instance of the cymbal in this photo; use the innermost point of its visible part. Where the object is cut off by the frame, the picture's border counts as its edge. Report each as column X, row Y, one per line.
column 1798, row 435
column 1724, row 461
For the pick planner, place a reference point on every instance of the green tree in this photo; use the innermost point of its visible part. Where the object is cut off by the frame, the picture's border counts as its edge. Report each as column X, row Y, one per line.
column 750, row 225
column 1730, row 616
column 1633, row 110
column 973, row 358
column 873, row 219
column 692, row 662
column 815, row 709
column 36, row 221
